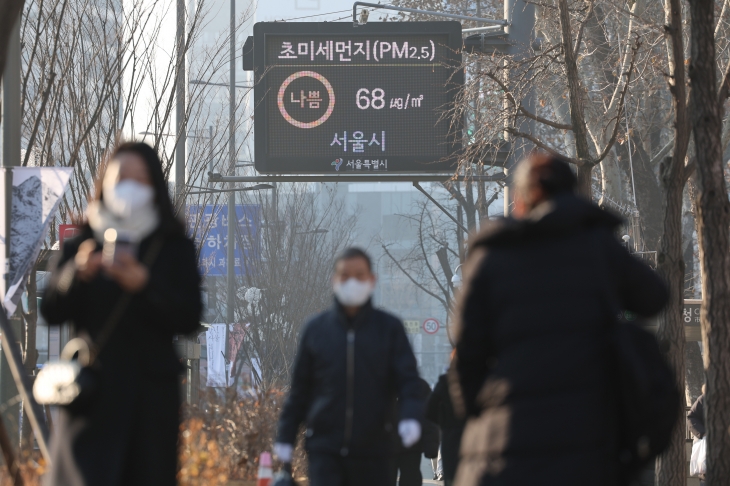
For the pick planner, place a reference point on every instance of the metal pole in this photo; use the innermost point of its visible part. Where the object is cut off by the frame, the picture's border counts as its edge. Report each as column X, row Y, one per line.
column 427, row 12
column 11, row 101
column 232, row 219
column 210, row 150
column 393, row 177
column 180, row 98
column 18, row 377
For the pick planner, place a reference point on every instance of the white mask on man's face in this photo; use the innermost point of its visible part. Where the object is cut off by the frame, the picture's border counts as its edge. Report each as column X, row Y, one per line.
column 353, row 292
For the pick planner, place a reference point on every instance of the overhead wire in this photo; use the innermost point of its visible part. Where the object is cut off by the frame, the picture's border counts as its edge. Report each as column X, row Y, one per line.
column 321, row 15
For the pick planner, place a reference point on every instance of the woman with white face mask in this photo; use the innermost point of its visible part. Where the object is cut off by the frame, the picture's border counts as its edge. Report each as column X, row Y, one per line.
column 128, row 283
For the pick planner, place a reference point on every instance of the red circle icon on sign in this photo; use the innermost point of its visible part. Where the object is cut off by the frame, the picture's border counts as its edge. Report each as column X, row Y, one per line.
column 431, row 326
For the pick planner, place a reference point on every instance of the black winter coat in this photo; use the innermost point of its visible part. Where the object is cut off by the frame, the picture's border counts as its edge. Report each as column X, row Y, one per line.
column 533, row 360
column 347, row 404
column 128, row 434
column 696, row 417
column 440, row 411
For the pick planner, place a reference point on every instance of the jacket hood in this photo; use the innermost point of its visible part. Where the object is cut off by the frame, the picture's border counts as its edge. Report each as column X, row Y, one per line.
column 561, row 215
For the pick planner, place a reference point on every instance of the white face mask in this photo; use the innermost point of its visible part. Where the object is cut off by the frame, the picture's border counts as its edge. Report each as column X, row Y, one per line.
column 353, row 292
column 127, row 197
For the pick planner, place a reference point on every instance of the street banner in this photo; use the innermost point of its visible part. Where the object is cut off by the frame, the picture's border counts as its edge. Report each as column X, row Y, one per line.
column 208, row 226
column 35, row 193
column 216, row 343
column 220, row 370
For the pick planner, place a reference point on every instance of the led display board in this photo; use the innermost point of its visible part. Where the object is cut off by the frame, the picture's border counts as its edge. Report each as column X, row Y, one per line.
column 333, row 98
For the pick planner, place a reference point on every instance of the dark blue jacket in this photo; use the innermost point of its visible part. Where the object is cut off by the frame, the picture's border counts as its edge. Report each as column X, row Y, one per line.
column 346, row 378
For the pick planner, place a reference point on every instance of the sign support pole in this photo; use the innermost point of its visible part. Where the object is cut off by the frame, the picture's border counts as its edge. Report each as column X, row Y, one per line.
column 230, row 269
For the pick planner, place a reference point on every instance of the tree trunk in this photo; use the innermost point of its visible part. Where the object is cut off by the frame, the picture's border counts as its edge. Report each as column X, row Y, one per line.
column 575, row 93
column 713, row 212
column 695, row 376
column 470, row 207
column 649, row 198
column 585, row 177
column 671, row 465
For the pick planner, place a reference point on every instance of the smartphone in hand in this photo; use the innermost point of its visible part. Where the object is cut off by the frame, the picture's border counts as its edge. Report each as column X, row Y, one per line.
column 114, row 245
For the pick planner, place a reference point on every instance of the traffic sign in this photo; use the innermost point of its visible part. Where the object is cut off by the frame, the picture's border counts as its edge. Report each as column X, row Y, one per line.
column 412, row 326
column 333, row 98
column 431, row 326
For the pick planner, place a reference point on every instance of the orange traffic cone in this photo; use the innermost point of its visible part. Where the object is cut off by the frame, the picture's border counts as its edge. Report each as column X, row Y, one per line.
column 265, row 472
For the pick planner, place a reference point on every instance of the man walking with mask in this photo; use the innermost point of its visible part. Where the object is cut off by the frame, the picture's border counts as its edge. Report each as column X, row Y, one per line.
column 352, row 363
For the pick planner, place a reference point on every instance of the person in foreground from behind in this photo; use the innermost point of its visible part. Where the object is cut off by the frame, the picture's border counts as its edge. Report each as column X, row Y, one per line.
column 352, row 363
column 533, row 365
column 126, row 431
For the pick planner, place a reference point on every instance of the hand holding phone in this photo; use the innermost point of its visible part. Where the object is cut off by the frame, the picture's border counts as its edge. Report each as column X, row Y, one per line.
column 121, row 264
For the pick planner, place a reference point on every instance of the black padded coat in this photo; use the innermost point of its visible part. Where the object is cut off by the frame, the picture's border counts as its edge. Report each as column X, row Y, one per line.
column 346, row 378
column 128, row 433
column 533, row 360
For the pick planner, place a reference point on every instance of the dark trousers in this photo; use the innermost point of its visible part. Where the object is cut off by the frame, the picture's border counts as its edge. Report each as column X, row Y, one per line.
column 335, row 470
column 409, row 466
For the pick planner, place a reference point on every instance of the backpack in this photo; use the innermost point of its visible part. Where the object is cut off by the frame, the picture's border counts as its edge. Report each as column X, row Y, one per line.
column 647, row 396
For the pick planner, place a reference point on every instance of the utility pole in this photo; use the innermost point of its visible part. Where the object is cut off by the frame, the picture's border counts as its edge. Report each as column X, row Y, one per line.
column 232, row 219
column 180, row 115
column 520, row 25
column 11, row 158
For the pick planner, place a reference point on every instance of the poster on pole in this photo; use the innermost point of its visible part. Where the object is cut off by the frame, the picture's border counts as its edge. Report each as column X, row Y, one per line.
column 215, row 338
column 33, row 194
column 224, row 364
column 208, row 226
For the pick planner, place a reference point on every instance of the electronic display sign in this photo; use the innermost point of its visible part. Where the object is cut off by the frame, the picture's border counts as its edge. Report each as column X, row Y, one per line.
column 333, row 98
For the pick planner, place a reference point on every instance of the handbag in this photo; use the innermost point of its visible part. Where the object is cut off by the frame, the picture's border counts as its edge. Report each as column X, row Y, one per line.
column 698, row 463
column 71, row 383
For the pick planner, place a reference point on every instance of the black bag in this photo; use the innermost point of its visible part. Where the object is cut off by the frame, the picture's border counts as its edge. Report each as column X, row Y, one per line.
column 646, row 390
column 430, row 439
column 648, row 398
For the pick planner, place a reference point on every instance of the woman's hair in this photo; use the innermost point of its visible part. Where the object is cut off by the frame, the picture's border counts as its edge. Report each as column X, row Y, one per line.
column 169, row 223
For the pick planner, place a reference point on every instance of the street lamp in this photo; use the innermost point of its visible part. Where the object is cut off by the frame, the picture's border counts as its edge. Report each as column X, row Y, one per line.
column 319, row 231
column 230, row 253
column 224, row 85
column 231, row 256
column 626, row 239
column 456, row 279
